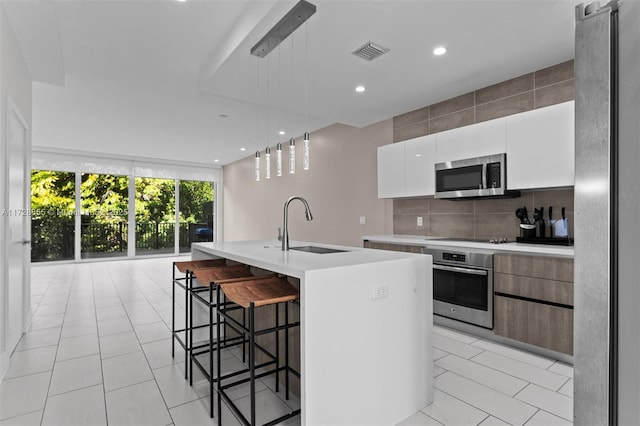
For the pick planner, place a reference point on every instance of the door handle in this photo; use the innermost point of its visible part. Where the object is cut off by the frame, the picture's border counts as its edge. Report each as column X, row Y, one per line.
column 25, row 242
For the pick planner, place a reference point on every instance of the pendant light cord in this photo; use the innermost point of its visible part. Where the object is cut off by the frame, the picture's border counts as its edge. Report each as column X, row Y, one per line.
column 306, row 65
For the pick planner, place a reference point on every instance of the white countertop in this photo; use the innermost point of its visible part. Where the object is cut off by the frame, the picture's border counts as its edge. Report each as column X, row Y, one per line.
column 267, row 254
column 544, row 249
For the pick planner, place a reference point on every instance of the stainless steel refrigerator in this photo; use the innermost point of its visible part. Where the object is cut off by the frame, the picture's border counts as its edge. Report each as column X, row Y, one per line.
column 607, row 214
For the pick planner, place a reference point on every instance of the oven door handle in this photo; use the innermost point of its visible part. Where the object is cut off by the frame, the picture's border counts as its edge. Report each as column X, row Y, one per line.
column 462, row 270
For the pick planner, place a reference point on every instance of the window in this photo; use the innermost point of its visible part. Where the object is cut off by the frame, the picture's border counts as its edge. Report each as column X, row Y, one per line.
column 155, row 216
column 196, row 212
column 96, row 215
column 52, row 215
column 104, row 215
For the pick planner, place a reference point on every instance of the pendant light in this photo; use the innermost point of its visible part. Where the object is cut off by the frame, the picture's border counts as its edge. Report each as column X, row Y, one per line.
column 267, row 163
column 267, row 151
column 292, row 156
column 305, row 141
column 305, row 152
column 279, row 159
column 257, row 166
column 257, row 158
column 298, row 15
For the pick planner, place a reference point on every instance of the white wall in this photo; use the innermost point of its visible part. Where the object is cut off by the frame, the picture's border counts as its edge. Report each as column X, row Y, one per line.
column 15, row 82
column 341, row 186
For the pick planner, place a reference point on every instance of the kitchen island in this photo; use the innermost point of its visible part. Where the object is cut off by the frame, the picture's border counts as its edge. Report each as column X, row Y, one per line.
column 366, row 328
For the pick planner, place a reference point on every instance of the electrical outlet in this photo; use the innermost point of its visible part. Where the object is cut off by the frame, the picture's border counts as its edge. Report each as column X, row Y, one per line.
column 419, row 221
column 380, row 292
column 363, row 220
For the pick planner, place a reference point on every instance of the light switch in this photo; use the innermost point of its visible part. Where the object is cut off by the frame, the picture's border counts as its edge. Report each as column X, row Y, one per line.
column 363, row 220
column 419, row 221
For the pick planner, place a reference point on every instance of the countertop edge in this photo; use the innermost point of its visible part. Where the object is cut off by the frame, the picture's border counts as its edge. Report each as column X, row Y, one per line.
column 415, row 240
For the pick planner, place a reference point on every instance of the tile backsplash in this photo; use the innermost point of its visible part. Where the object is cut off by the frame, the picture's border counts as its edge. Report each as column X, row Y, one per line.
column 476, row 218
column 537, row 89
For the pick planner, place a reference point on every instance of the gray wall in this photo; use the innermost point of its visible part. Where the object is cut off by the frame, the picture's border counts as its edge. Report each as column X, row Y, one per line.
column 340, row 186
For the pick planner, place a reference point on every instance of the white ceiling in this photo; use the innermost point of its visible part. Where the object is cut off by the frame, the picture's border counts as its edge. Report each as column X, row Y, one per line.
column 150, row 78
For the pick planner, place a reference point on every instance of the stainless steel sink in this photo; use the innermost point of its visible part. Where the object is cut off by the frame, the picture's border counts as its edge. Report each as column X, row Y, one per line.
column 316, row 249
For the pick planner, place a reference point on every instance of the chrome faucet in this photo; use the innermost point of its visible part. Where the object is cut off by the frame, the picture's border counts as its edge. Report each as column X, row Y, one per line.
column 285, row 226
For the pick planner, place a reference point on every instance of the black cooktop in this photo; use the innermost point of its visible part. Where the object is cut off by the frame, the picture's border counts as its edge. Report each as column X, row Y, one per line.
column 497, row 240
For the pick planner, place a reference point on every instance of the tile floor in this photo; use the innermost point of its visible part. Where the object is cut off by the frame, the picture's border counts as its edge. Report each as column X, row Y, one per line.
column 99, row 352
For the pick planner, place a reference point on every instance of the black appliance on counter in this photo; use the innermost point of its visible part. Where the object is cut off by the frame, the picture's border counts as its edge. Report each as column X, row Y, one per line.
column 463, row 284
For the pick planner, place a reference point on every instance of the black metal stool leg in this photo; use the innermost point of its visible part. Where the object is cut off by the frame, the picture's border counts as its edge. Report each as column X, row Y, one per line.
column 210, row 352
column 188, row 318
column 286, row 350
column 219, row 367
column 244, row 346
column 252, row 361
column 173, row 311
column 277, row 346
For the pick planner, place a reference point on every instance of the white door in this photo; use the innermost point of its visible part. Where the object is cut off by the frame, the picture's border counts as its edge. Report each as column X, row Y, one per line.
column 18, row 223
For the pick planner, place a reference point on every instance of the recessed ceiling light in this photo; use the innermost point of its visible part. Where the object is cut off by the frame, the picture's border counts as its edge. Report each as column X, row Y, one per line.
column 418, row 155
column 360, row 89
column 281, row 132
column 216, row 161
column 439, row 51
column 182, row 1
column 243, row 149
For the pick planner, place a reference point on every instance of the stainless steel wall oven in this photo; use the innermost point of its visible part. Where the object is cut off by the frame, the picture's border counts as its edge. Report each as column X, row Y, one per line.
column 463, row 284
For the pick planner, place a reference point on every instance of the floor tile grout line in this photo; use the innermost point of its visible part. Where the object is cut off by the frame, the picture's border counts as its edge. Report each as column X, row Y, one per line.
column 454, row 397
column 529, row 419
column 510, row 397
column 95, row 311
column 520, row 378
column 46, row 400
column 24, row 414
column 485, row 385
column 143, row 353
column 513, row 358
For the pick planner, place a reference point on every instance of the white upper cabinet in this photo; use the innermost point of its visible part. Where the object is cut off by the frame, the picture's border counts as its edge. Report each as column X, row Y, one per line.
column 420, row 158
column 540, row 148
column 391, row 181
column 406, row 169
column 539, row 145
column 476, row 140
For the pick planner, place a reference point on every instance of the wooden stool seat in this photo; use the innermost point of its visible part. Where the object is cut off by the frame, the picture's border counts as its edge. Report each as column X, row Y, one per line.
column 220, row 273
column 191, row 265
column 260, row 292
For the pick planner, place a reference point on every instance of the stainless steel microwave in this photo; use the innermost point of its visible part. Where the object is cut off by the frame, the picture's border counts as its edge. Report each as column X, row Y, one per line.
column 474, row 177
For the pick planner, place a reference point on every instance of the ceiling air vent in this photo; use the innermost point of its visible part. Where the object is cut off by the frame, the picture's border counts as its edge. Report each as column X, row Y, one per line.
column 370, row 51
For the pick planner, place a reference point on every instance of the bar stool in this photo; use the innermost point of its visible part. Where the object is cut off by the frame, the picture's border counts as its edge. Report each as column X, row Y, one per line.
column 210, row 278
column 185, row 282
column 249, row 295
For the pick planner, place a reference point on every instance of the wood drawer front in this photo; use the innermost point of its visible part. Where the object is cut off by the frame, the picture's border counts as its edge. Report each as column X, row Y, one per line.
column 534, row 288
column 392, row 247
column 549, row 268
column 538, row 324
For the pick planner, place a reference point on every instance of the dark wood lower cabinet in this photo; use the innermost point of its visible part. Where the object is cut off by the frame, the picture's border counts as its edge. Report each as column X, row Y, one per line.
column 535, row 323
column 533, row 300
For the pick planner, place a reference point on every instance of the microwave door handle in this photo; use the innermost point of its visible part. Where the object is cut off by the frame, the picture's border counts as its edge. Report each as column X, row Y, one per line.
column 462, row 270
column 484, row 176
